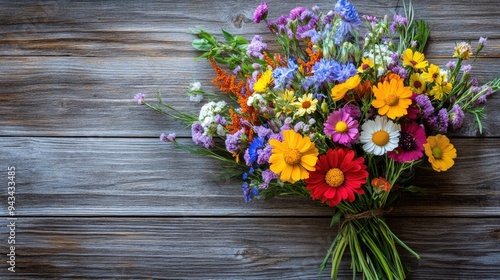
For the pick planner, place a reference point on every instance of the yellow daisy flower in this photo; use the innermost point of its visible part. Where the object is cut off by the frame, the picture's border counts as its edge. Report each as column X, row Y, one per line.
column 433, row 74
column 392, row 98
column 414, row 59
column 263, row 82
column 285, row 102
column 365, row 64
column 340, row 90
column 440, row 152
column 306, row 105
column 293, row 158
column 417, row 83
column 440, row 89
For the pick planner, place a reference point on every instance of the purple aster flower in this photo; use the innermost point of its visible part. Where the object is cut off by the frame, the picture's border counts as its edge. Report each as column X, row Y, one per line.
column 401, row 71
column 220, row 120
column 256, row 47
column 233, row 141
column 342, row 127
column 457, row 117
column 443, row 120
column 139, row 98
column 260, row 12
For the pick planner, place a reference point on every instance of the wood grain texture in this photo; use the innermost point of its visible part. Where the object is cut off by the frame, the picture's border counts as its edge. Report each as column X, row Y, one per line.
column 200, row 248
column 100, row 197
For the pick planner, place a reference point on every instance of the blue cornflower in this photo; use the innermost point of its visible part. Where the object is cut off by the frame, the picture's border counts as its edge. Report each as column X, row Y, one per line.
column 283, row 75
column 256, row 144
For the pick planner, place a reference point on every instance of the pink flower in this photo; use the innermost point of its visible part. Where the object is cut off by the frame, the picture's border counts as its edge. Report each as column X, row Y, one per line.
column 341, row 127
column 411, row 143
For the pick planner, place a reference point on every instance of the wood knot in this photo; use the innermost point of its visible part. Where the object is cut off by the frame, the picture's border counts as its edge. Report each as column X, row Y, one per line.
column 495, row 233
column 239, row 19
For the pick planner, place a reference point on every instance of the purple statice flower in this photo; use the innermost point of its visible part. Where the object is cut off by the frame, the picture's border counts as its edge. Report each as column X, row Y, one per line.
column 341, row 127
column 413, row 43
column 233, row 141
column 299, row 126
column 399, row 21
column 262, row 131
column 296, row 12
column 264, row 154
column 432, row 122
column 371, row 19
column 352, row 110
column 237, row 70
column 268, row 176
column 488, row 91
column 246, row 191
column 457, row 117
column 256, row 47
column 443, row 120
column 171, row 137
column 163, row 137
column 280, row 26
column 139, row 98
column 220, row 120
column 401, row 71
column 451, row 64
column 260, row 12
column 425, row 104
column 483, row 41
column 199, row 138
column 307, row 23
column 315, row 9
column 466, row 68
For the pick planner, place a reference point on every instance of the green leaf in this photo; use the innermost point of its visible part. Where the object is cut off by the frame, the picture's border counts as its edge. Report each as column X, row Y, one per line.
column 201, row 45
column 227, row 36
column 336, row 218
column 240, row 40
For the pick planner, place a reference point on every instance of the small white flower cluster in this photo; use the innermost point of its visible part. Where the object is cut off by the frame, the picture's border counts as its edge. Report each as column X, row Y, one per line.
column 211, row 118
column 195, row 92
column 257, row 101
column 381, row 55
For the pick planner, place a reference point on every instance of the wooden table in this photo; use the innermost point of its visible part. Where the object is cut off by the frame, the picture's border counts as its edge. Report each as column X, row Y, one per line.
column 99, row 196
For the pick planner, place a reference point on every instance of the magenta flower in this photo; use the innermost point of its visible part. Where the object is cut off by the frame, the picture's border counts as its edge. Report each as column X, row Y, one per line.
column 411, row 143
column 260, row 12
column 341, row 127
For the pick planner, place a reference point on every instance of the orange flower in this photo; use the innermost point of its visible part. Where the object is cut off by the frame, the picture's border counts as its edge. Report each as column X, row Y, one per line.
column 381, row 184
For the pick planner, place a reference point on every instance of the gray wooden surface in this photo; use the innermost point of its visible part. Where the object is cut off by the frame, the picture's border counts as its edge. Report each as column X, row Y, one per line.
column 99, row 196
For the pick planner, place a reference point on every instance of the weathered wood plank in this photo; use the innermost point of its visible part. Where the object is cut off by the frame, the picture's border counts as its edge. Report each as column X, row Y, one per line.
column 235, row 248
column 114, row 176
column 161, row 28
column 73, row 96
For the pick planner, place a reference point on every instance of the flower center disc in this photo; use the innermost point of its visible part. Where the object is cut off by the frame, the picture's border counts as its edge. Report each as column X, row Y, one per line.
column 407, row 141
column 380, row 138
column 334, row 177
column 437, row 153
column 306, row 104
column 292, row 156
column 391, row 99
column 341, row 127
column 417, row 84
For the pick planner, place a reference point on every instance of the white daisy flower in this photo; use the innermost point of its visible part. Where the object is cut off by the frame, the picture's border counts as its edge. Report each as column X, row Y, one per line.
column 379, row 136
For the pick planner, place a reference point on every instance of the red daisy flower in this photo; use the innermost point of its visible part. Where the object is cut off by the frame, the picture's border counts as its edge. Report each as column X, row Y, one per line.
column 338, row 176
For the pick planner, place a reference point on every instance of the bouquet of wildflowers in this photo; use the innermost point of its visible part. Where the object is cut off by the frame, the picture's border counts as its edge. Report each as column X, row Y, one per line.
column 335, row 116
